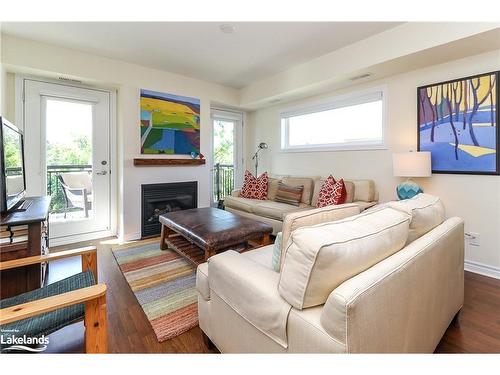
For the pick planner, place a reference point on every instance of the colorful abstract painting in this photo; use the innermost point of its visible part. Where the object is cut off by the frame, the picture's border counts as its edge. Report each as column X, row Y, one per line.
column 458, row 124
column 170, row 124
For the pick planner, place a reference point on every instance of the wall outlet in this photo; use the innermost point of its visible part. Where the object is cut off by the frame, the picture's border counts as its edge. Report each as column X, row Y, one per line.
column 473, row 238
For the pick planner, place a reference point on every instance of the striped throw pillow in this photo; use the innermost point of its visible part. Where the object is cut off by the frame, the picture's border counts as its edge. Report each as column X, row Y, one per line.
column 289, row 194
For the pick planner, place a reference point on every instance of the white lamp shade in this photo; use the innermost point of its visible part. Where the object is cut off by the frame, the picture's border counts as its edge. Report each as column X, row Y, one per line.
column 412, row 164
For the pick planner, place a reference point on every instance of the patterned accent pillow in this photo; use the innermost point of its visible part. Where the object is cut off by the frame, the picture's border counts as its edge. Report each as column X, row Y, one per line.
column 332, row 192
column 255, row 188
column 289, row 194
column 276, row 260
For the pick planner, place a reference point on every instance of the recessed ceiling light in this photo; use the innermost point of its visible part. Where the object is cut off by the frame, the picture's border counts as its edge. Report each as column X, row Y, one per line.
column 227, row 28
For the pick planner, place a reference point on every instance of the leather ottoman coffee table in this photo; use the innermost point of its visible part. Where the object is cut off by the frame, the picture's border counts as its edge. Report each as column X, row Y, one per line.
column 199, row 233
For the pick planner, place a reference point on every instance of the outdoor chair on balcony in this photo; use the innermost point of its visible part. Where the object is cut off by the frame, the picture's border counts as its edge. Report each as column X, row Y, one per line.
column 43, row 311
column 77, row 188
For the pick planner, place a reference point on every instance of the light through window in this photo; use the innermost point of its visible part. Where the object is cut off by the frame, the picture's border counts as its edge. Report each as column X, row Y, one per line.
column 353, row 122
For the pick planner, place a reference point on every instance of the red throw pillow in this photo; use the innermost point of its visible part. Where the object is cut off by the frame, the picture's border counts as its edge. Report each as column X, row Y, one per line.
column 332, row 192
column 255, row 188
column 340, row 192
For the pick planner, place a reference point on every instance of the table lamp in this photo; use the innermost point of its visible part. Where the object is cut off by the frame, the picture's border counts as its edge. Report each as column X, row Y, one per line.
column 411, row 164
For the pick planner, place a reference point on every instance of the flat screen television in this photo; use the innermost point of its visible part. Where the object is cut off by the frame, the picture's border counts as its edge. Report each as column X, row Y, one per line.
column 12, row 179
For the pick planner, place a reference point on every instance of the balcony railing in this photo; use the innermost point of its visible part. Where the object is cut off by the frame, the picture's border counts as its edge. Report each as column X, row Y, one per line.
column 54, row 188
column 223, row 181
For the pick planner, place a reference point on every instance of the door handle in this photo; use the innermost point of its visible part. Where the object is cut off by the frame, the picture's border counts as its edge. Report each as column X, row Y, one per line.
column 103, row 173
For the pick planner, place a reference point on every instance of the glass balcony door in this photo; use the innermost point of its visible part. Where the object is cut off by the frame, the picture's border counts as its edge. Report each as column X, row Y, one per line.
column 67, row 133
column 227, row 153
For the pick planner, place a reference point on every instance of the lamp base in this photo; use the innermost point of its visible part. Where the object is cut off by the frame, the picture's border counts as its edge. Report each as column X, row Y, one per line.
column 408, row 189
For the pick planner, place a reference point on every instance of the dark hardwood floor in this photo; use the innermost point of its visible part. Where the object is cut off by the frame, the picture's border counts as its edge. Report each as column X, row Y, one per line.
column 477, row 331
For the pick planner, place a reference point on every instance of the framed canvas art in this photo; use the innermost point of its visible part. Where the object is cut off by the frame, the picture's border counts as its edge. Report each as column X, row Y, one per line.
column 170, row 124
column 458, row 123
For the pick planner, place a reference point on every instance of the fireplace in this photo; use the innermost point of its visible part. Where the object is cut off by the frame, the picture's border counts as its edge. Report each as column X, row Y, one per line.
column 158, row 199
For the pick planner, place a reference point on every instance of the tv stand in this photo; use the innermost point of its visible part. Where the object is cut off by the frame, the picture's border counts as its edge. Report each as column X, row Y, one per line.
column 24, row 206
column 34, row 217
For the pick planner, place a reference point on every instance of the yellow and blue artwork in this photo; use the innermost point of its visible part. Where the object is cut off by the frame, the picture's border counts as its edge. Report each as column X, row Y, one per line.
column 170, row 124
column 458, row 124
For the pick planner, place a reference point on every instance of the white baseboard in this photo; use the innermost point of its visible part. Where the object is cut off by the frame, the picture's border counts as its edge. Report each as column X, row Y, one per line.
column 131, row 236
column 482, row 269
column 79, row 238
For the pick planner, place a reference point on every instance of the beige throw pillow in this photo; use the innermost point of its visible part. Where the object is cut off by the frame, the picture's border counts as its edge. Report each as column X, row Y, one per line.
column 318, row 259
column 306, row 218
column 427, row 212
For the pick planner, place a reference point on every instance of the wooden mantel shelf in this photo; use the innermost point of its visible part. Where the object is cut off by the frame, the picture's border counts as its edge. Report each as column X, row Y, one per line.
column 143, row 162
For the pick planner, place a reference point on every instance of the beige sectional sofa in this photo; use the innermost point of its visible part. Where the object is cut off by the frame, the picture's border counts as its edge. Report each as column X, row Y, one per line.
column 361, row 192
column 387, row 280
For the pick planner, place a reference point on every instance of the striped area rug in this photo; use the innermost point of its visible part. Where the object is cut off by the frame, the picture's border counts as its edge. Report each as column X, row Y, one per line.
column 164, row 285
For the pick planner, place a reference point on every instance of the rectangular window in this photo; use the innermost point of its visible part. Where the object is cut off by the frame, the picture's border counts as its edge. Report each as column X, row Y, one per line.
column 355, row 121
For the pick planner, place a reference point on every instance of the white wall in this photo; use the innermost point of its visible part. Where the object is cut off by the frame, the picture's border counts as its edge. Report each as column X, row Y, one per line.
column 474, row 198
column 26, row 56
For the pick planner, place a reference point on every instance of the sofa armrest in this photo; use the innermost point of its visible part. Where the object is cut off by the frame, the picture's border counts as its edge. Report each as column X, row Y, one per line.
column 88, row 256
column 236, row 192
column 405, row 302
column 48, row 304
column 251, row 290
column 202, row 286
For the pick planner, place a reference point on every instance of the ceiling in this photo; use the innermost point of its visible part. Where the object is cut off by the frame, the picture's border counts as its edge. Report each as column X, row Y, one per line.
column 254, row 51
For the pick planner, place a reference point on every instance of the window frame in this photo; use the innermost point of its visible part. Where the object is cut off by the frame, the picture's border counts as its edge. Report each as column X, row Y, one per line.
column 330, row 103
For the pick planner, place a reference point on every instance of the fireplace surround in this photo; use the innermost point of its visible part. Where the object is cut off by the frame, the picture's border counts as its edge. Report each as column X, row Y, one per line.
column 158, row 199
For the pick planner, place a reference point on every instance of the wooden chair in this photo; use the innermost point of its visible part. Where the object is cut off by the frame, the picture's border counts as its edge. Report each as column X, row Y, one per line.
column 52, row 307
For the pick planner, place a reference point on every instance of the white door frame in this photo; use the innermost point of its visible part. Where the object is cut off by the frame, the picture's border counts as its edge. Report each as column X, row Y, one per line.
column 239, row 116
column 113, row 170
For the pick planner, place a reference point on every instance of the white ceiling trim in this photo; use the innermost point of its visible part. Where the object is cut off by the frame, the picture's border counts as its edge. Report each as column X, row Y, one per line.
column 338, row 66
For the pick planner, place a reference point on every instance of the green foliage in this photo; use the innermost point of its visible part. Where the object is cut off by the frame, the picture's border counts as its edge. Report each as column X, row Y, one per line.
column 223, row 148
column 80, row 153
column 12, row 156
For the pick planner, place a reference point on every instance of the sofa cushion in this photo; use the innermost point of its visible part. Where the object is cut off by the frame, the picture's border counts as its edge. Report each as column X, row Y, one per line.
column 317, row 259
column 241, row 204
column 274, row 210
column 365, row 205
column 349, row 188
column 262, row 255
column 272, row 188
column 364, row 190
column 250, row 289
column 306, row 218
column 307, row 182
column 289, row 194
column 427, row 212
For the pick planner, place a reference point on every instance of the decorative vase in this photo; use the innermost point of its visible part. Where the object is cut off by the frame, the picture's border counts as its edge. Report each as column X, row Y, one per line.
column 408, row 189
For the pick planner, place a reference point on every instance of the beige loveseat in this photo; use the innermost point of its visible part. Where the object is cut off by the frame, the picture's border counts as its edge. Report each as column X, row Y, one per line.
column 387, row 280
column 361, row 192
